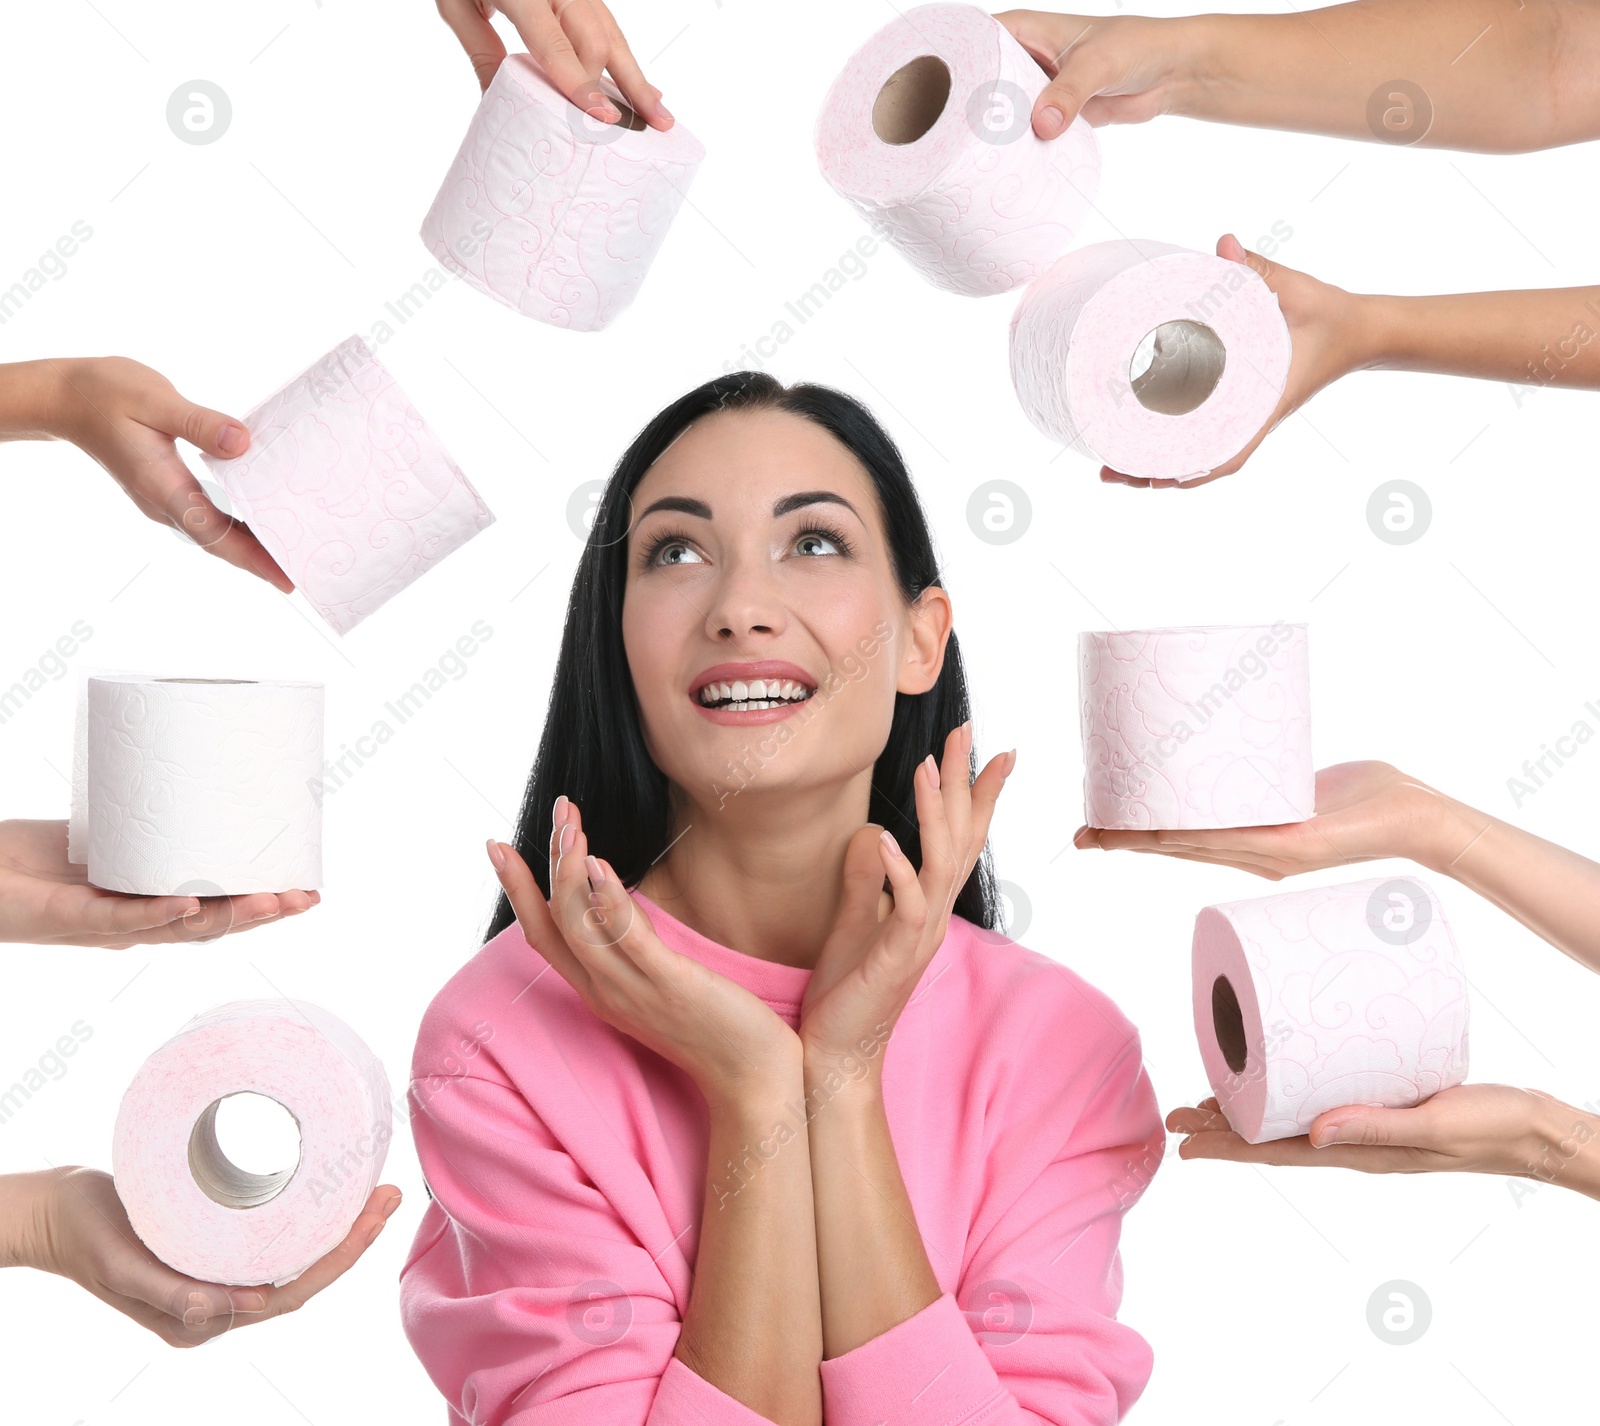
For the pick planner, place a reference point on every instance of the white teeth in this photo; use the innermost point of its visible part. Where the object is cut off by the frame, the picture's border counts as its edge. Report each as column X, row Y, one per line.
column 755, row 693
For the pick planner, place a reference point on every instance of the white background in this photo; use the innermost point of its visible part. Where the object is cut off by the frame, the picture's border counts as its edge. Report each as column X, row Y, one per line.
column 232, row 266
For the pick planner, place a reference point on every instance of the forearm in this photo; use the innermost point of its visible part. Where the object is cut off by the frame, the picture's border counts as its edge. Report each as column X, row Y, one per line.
column 30, row 400
column 1552, row 891
column 1491, row 75
column 1563, row 1147
column 21, row 1196
column 872, row 1266
column 753, row 1328
column 1545, row 337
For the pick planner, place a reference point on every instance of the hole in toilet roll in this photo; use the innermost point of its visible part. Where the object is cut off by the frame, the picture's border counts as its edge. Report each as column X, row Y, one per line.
column 911, row 100
column 1176, row 367
column 1228, row 1022
column 257, row 1130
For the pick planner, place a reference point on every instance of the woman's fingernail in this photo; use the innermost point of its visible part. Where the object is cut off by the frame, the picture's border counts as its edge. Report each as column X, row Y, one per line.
column 597, row 873
column 1329, row 1135
column 889, row 841
column 1012, row 761
column 1051, row 119
column 247, row 1301
column 568, row 835
column 558, row 814
column 392, row 1204
column 371, row 1235
column 497, row 855
column 232, row 439
column 933, row 771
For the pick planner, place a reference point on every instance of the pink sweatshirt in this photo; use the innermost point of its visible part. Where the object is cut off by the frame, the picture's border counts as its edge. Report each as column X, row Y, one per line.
column 550, row 1274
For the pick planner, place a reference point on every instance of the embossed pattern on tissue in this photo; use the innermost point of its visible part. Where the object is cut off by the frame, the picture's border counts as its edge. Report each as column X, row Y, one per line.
column 1181, row 730
column 348, row 487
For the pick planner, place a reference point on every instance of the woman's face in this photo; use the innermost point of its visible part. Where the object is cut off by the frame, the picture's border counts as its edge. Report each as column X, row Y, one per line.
column 763, row 625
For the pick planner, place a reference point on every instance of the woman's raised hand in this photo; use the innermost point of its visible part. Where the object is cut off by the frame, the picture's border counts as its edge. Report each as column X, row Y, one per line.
column 598, row 937
column 869, row 967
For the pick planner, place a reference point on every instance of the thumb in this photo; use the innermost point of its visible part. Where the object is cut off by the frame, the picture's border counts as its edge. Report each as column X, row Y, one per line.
column 1372, row 1124
column 210, row 431
column 863, row 880
column 1078, row 75
column 1233, row 250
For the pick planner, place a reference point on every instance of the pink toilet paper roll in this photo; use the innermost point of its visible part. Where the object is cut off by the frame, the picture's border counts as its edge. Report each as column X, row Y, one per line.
column 348, row 488
column 200, row 1213
column 1153, row 360
column 556, row 214
column 928, row 132
column 1201, row 727
column 1313, row 1000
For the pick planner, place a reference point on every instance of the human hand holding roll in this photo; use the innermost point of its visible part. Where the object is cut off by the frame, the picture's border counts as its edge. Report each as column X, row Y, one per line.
column 45, row 899
column 1276, row 71
column 573, row 42
column 1467, row 1128
column 70, row 1221
column 1371, row 810
column 129, row 419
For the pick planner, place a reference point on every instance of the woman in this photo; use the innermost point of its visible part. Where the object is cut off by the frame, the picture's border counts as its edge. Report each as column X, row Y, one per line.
column 873, row 1161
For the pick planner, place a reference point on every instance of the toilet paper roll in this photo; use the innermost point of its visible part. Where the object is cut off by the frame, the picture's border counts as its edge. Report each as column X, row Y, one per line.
column 348, row 488
column 552, row 212
column 1201, row 727
column 1153, row 360
column 1314, row 1000
column 203, row 1215
column 197, row 786
column 928, row 132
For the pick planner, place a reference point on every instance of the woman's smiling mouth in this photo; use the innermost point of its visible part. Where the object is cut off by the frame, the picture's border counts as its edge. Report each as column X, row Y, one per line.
column 761, row 692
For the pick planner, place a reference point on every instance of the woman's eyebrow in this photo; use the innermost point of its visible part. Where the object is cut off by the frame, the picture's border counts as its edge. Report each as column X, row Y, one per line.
column 687, row 505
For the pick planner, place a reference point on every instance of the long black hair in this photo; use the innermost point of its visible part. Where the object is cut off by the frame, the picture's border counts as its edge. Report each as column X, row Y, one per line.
column 593, row 748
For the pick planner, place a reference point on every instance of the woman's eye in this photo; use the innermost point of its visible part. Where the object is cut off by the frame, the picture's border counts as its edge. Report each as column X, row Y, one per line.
column 669, row 553
column 807, row 544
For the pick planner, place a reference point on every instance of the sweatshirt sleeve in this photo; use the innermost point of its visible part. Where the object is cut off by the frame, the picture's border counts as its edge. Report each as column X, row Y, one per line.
column 526, row 1298
column 1030, row 1334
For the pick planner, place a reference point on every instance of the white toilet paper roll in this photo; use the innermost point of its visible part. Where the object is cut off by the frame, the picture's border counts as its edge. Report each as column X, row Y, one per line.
column 199, row 1212
column 1315, row 1000
column 1201, row 727
column 554, row 213
column 197, row 787
column 928, row 132
column 347, row 486
column 1156, row 361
